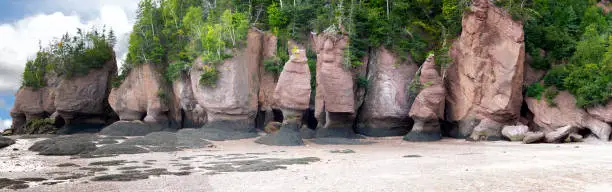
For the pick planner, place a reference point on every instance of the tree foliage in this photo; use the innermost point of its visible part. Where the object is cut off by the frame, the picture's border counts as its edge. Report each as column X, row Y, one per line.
column 173, row 33
column 70, row 56
column 576, row 39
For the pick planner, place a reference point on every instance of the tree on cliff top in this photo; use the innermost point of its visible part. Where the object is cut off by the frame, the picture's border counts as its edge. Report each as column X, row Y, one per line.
column 70, row 56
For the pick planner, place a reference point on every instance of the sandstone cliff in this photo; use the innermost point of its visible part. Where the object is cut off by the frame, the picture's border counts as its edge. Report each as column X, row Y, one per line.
column 143, row 96
column 79, row 102
column 335, row 97
column 387, row 99
column 485, row 80
column 235, row 96
column 428, row 107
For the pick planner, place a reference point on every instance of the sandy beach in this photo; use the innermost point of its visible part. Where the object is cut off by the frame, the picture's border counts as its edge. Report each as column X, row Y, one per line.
column 387, row 165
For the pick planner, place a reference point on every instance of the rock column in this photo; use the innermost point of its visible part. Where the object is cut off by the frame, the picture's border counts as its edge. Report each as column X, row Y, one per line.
column 428, row 107
column 293, row 96
column 335, row 98
column 484, row 83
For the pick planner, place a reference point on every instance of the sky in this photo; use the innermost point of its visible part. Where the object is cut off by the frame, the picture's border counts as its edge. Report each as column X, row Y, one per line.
column 25, row 23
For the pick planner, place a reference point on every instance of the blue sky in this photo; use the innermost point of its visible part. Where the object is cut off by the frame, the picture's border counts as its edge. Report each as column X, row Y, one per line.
column 23, row 23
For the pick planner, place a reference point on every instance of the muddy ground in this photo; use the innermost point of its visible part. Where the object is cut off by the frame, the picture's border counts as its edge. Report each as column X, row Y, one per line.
column 389, row 164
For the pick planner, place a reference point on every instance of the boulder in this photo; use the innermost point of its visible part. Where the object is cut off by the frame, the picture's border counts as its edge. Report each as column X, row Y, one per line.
column 565, row 113
column 234, row 97
column 602, row 112
column 515, row 133
column 559, row 135
column 5, row 142
column 487, row 130
column 533, row 137
column 428, row 106
column 335, row 97
column 141, row 96
column 387, row 99
column 485, row 79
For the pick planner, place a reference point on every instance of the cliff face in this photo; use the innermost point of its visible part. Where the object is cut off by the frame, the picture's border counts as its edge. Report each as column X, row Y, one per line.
column 143, row 97
column 477, row 96
column 79, row 102
column 335, row 98
column 235, row 95
column 387, row 101
column 485, row 80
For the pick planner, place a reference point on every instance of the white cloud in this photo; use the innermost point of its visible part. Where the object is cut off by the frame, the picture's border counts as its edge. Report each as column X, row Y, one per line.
column 5, row 124
column 19, row 40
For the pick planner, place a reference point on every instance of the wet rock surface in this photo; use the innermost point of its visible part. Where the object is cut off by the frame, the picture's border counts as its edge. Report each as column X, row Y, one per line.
column 5, row 142
column 65, row 145
column 289, row 135
column 131, row 128
column 265, row 164
column 341, row 141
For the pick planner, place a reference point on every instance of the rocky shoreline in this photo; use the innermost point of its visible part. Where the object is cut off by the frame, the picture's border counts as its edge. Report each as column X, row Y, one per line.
column 479, row 96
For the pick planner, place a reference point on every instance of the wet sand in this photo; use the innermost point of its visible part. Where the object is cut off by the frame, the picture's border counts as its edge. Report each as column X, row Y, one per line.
column 390, row 164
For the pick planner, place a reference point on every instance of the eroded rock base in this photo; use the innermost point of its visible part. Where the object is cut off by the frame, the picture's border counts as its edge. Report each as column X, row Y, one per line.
column 289, row 135
column 382, row 131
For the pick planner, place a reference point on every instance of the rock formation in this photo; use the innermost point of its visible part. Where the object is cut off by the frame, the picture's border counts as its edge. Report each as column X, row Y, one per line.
column 387, row 99
column 5, row 142
column 194, row 115
column 485, row 80
column 533, row 137
column 566, row 113
column 80, row 102
column 515, row 133
column 235, row 96
column 602, row 112
column 143, row 97
column 267, row 81
column 293, row 96
column 335, row 98
column 428, row 107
